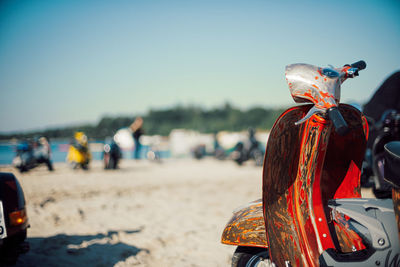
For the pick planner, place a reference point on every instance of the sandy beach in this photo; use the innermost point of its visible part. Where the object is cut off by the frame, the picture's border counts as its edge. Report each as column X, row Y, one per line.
column 144, row 214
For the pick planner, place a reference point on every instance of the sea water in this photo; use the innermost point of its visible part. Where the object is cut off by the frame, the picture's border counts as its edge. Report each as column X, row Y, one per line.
column 59, row 150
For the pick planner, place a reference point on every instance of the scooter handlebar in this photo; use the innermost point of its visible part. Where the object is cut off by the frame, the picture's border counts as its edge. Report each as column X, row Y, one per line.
column 338, row 121
column 360, row 65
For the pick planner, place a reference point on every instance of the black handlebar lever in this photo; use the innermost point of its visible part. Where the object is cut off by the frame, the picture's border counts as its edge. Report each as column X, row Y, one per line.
column 334, row 115
column 338, row 121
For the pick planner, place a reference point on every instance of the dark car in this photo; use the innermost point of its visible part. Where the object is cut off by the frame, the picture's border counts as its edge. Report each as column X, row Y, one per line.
column 13, row 219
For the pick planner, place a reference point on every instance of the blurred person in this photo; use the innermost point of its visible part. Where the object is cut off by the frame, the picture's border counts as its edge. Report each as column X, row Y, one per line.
column 111, row 154
column 137, row 132
column 42, row 152
column 219, row 151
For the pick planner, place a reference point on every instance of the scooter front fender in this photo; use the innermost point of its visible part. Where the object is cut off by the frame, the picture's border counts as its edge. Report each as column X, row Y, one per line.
column 246, row 227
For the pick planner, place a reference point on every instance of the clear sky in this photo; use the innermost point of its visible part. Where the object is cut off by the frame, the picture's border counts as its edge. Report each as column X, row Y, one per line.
column 69, row 61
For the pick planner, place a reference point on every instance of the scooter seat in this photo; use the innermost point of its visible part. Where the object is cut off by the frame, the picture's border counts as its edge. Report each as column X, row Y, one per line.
column 392, row 163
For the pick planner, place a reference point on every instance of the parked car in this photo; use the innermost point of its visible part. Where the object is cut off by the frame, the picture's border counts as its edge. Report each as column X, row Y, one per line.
column 13, row 219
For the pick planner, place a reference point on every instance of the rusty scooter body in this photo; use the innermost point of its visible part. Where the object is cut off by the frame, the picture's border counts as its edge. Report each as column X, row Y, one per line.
column 312, row 166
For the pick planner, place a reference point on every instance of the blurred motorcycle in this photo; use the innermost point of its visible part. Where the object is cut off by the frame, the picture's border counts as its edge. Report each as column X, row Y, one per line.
column 249, row 150
column 31, row 154
column 387, row 129
column 78, row 153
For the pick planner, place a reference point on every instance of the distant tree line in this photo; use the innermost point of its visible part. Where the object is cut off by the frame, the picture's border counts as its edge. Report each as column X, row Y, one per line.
column 162, row 121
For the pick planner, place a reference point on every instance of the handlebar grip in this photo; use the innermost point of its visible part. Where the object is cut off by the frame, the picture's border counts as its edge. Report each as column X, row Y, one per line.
column 360, row 65
column 338, row 121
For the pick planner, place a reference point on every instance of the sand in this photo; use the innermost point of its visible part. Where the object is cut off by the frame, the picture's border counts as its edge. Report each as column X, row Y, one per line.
column 144, row 214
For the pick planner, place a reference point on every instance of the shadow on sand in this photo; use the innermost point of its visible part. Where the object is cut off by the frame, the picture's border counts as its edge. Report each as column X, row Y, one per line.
column 80, row 250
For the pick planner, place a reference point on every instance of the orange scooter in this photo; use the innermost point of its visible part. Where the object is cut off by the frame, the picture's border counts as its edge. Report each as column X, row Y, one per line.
column 311, row 212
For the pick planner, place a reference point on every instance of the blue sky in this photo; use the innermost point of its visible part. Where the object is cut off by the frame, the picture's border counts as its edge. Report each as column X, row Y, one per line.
column 64, row 62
